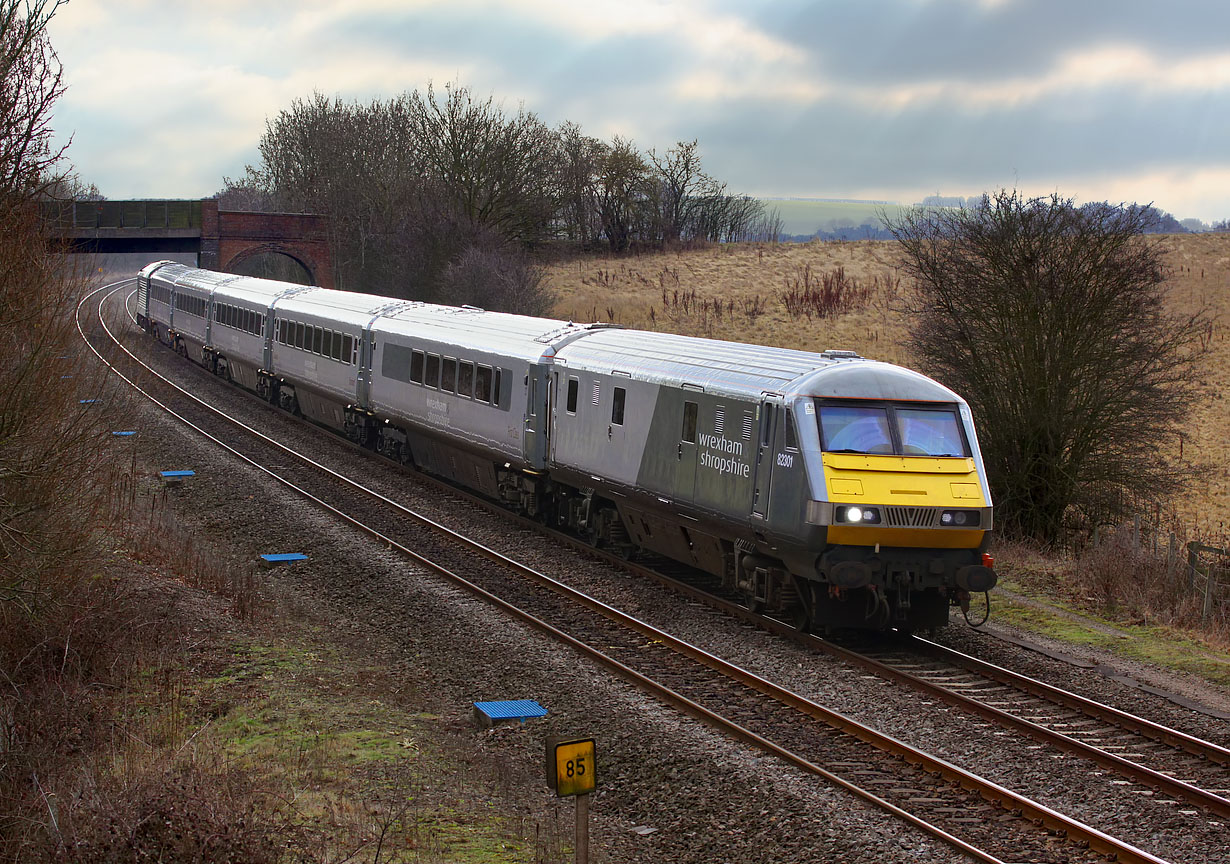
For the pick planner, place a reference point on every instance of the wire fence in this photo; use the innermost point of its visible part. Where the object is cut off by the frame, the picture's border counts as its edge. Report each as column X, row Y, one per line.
column 1208, row 576
column 1198, row 571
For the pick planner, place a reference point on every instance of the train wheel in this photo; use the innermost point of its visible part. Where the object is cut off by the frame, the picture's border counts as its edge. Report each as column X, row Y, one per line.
column 803, row 610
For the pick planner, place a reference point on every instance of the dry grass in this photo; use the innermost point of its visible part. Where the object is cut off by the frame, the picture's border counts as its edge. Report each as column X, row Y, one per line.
column 630, row 290
column 755, row 279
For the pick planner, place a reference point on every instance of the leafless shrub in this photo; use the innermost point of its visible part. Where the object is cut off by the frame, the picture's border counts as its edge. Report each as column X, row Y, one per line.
column 833, row 293
column 1050, row 320
column 500, row 279
column 187, row 813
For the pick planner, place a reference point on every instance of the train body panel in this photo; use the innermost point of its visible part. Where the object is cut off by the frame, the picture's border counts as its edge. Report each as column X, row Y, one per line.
column 828, row 487
column 468, row 376
column 318, row 349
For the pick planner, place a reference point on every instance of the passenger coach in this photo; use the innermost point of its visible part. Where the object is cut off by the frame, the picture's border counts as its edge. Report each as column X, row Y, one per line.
column 825, row 488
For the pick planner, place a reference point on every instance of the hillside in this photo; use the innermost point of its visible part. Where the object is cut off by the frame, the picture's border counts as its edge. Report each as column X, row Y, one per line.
column 678, row 292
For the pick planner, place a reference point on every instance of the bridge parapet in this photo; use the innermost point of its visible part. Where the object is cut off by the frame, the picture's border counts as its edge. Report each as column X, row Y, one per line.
column 221, row 239
column 70, row 217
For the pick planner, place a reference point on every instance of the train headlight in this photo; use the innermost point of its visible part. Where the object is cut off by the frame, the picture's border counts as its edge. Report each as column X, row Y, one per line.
column 960, row 518
column 858, row 515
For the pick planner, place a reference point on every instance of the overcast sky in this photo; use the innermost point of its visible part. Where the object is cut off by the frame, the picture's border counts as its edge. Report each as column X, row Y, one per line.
column 1120, row 100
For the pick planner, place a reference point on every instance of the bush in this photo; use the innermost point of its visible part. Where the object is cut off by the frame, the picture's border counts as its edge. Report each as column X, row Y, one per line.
column 496, row 279
column 1050, row 319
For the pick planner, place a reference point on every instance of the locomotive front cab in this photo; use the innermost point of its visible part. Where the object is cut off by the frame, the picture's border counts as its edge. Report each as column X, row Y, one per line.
column 905, row 505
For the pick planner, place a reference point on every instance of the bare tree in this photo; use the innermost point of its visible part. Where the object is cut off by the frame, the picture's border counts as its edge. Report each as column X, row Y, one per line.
column 497, row 169
column 576, row 182
column 621, row 184
column 682, row 188
column 30, row 83
column 1050, row 319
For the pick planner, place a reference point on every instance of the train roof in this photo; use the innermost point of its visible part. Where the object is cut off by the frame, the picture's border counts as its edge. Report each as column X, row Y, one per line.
column 348, row 307
column 224, row 286
column 739, row 369
column 520, row 337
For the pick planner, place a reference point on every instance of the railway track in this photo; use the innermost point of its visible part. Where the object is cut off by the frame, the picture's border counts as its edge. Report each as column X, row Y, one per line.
column 982, row 819
column 1154, row 757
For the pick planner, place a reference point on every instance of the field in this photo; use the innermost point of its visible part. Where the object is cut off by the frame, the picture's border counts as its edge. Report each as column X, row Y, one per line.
column 737, row 292
column 807, row 215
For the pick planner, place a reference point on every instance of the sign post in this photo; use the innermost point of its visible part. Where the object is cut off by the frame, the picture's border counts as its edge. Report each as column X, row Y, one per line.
column 572, row 770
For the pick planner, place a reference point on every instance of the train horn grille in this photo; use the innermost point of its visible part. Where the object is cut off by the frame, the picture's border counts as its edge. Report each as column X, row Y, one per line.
column 910, row 517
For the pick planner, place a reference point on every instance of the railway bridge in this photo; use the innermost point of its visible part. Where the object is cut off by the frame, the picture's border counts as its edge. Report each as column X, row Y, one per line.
column 222, row 239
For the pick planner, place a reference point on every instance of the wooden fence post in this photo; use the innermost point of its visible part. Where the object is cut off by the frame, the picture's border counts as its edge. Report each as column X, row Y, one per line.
column 1209, row 582
column 1191, row 566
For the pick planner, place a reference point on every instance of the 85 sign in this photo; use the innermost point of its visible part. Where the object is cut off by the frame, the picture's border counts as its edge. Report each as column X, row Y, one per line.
column 571, row 766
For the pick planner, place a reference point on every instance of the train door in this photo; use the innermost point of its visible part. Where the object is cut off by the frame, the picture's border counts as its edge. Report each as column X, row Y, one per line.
column 367, row 360
column 615, row 424
column 770, row 409
column 685, row 469
column 537, row 414
column 552, row 429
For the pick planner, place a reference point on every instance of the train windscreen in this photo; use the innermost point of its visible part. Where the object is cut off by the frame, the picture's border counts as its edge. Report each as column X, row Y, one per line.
column 889, row 430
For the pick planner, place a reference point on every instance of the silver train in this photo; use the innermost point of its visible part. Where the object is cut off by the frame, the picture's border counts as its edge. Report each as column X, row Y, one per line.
column 831, row 490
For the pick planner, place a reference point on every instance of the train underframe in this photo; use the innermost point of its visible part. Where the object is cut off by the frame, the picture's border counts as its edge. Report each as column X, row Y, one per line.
column 898, row 597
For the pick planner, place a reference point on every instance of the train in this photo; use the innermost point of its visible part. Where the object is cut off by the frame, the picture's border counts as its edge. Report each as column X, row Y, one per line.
column 832, row 491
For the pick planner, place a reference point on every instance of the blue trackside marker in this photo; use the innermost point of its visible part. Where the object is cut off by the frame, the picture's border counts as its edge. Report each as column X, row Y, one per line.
column 171, row 475
column 127, row 433
column 511, row 709
column 86, row 401
column 283, row 557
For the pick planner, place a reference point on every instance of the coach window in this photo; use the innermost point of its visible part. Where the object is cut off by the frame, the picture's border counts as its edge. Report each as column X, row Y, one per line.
column 336, row 349
column 482, row 383
column 299, row 335
column 689, row 422
column 431, row 376
column 317, row 339
column 617, row 407
column 448, row 375
column 465, row 379
column 495, row 392
column 792, row 442
column 573, row 386
column 326, row 343
column 348, row 349
column 416, row 367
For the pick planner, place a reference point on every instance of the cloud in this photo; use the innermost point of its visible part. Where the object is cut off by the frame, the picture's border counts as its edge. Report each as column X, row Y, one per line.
column 797, row 97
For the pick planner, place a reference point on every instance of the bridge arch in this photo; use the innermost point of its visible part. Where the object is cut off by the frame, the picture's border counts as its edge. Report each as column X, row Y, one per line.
column 307, row 262
column 229, row 237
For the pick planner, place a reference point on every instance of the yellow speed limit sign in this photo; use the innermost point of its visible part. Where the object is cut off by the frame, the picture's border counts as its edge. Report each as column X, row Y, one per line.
column 571, row 766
